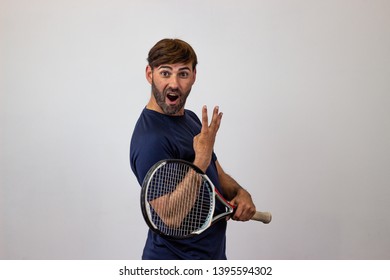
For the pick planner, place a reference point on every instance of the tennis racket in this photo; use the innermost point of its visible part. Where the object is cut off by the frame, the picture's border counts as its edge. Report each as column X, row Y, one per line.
column 178, row 200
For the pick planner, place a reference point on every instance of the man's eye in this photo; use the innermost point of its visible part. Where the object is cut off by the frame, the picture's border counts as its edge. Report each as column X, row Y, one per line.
column 164, row 74
column 184, row 74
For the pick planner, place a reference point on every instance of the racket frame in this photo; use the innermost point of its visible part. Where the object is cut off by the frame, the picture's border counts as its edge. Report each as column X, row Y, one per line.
column 264, row 217
column 146, row 207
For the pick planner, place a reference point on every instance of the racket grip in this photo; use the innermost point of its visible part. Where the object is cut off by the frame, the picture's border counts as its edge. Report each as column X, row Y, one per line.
column 264, row 217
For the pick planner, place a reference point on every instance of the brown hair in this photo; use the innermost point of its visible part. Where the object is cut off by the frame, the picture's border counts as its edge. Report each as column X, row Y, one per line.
column 172, row 51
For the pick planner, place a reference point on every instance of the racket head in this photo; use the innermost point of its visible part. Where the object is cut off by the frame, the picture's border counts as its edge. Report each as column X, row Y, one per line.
column 166, row 179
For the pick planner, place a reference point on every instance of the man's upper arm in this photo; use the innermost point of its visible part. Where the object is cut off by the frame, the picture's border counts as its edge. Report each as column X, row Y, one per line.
column 144, row 155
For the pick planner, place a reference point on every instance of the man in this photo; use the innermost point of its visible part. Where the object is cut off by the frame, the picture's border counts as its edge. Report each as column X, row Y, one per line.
column 166, row 130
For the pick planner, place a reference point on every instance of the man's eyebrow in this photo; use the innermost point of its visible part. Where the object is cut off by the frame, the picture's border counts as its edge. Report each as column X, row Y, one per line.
column 165, row 66
column 170, row 68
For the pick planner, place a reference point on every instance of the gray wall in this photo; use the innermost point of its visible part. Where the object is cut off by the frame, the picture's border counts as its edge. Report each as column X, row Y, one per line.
column 304, row 87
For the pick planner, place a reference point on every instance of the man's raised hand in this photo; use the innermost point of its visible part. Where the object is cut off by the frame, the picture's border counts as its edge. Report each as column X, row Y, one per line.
column 204, row 141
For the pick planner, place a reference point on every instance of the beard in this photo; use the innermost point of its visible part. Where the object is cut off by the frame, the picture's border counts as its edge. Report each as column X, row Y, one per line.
column 160, row 96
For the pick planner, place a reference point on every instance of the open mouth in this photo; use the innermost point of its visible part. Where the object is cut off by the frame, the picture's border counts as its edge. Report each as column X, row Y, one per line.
column 172, row 97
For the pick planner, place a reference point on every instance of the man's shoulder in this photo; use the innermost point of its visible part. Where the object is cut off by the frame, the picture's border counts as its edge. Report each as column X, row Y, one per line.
column 190, row 112
column 191, row 115
column 149, row 119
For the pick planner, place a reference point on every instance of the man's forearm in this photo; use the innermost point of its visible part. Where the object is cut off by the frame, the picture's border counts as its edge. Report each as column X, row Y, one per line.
column 229, row 186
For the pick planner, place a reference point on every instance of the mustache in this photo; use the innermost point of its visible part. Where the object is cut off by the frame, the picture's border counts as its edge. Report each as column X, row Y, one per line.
column 173, row 90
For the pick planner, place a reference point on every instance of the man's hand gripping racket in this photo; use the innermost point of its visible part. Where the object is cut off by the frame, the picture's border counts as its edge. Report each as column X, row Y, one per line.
column 178, row 200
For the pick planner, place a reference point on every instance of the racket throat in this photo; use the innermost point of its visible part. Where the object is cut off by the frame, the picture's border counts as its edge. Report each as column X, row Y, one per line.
column 228, row 212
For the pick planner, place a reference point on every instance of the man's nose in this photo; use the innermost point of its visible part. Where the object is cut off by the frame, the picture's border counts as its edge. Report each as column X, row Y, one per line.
column 173, row 82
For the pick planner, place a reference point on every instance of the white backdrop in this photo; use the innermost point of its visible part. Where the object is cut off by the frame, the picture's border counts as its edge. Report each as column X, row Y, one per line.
column 305, row 90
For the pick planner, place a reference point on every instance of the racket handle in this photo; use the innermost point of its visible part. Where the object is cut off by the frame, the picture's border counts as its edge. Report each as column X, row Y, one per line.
column 264, row 217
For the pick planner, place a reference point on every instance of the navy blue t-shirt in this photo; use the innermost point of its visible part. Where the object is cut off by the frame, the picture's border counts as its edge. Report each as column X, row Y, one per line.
column 156, row 137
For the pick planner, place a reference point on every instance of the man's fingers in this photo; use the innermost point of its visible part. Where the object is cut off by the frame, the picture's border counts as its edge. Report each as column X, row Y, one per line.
column 204, row 141
column 244, row 211
column 205, row 118
column 215, row 120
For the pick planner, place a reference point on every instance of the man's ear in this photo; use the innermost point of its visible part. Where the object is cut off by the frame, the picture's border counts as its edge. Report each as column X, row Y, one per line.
column 149, row 74
column 194, row 75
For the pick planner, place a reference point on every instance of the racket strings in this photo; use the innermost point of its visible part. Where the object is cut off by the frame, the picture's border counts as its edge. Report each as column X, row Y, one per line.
column 181, row 201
